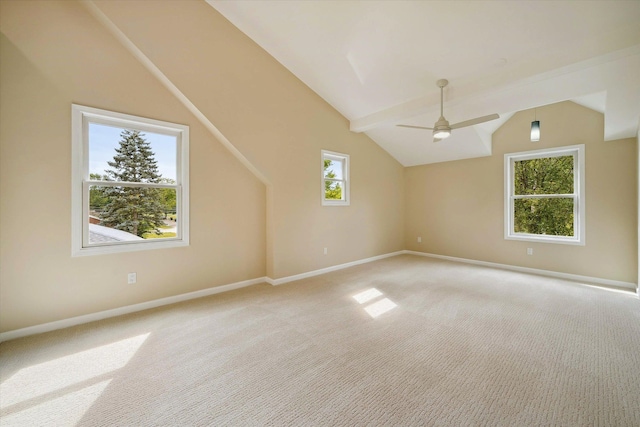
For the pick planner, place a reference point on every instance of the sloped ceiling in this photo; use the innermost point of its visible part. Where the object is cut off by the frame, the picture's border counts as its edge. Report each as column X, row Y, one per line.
column 377, row 62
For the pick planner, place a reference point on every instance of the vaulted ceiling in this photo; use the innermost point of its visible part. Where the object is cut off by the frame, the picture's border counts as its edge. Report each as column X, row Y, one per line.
column 377, row 63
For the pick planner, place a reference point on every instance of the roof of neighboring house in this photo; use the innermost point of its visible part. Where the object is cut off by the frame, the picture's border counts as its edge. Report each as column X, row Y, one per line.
column 102, row 234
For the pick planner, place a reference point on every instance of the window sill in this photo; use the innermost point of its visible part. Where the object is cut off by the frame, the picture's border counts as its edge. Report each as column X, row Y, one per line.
column 336, row 203
column 128, row 247
column 546, row 239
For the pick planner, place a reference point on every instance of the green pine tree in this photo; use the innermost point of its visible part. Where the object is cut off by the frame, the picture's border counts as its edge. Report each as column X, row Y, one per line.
column 97, row 198
column 133, row 209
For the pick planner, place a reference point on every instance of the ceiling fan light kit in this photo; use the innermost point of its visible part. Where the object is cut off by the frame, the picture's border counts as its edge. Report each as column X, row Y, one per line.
column 442, row 129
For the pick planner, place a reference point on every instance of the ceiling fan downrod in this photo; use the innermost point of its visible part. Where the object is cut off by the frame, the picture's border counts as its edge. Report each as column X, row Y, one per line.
column 441, row 129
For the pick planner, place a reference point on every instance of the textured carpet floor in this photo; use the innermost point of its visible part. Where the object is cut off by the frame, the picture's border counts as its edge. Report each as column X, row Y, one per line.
column 402, row 341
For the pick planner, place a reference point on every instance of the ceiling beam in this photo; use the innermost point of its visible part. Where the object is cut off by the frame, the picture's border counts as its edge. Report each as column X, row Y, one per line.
column 616, row 72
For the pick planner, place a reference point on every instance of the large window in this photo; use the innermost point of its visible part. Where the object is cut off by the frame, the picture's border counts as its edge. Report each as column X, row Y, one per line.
column 129, row 183
column 544, row 195
column 335, row 179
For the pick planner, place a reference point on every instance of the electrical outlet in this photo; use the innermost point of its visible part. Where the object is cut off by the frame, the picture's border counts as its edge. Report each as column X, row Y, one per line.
column 131, row 278
column 529, row 251
column 325, row 251
column 419, row 239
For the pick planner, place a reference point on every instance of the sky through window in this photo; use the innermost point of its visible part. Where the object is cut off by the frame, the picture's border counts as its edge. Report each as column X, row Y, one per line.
column 103, row 141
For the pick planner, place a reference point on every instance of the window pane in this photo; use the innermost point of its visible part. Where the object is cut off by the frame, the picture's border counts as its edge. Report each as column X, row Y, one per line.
column 550, row 175
column 544, row 216
column 118, row 214
column 333, row 190
column 333, row 168
column 119, row 154
column 335, row 179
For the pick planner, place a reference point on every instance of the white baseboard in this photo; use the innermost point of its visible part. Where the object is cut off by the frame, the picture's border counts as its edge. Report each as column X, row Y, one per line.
column 568, row 276
column 60, row 324
column 287, row 279
column 73, row 321
column 65, row 323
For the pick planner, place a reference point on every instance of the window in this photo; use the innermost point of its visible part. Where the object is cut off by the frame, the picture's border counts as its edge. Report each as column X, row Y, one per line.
column 130, row 187
column 544, row 195
column 335, row 179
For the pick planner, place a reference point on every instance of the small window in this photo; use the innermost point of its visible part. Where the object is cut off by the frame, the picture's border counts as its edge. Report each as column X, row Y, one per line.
column 129, row 183
column 544, row 195
column 335, row 179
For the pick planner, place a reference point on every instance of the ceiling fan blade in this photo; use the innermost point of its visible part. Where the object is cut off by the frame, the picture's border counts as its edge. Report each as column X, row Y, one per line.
column 414, row 127
column 475, row 121
column 437, row 139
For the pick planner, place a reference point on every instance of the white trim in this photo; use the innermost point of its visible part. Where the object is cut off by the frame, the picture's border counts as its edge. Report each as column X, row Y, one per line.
column 79, row 320
column 60, row 324
column 509, row 94
column 81, row 116
column 579, row 191
column 346, row 168
column 166, row 82
column 301, row 276
column 548, row 273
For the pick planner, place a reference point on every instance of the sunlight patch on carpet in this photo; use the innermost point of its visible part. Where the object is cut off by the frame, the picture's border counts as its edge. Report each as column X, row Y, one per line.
column 57, row 374
column 67, row 410
column 380, row 307
column 377, row 308
column 367, row 295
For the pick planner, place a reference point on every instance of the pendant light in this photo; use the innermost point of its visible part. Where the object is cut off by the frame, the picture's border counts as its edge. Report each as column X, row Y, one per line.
column 535, row 128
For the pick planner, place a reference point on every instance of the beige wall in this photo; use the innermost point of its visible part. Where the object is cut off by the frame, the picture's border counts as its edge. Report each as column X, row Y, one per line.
column 54, row 53
column 280, row 126
column 458, row 207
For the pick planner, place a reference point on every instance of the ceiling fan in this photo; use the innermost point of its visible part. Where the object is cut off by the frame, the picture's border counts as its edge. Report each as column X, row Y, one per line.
column 442, row 129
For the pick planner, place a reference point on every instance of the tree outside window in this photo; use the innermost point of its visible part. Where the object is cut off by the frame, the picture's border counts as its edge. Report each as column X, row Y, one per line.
column 332, row 189
column 136, row 210
column 335, row 179
column 544, row 198
column 544, row 215
column 130, row 181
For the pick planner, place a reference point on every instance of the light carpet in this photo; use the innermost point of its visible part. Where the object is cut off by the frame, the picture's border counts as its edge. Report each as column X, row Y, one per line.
column 402, row 341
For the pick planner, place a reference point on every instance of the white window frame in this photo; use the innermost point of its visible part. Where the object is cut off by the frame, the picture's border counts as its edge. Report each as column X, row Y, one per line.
column 81, row 116
column 578, row 196
column 346, row 192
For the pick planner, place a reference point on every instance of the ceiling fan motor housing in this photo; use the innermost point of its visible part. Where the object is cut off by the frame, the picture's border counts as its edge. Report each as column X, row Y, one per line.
column 441, row 129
